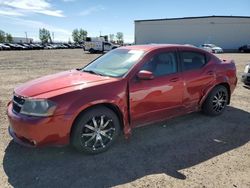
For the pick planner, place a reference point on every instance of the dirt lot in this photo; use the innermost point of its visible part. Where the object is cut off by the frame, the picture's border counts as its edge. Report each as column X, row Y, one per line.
column 189, row 151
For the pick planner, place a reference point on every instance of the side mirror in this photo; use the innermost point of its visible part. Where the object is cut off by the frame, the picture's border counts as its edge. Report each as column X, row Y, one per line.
column 145, row 75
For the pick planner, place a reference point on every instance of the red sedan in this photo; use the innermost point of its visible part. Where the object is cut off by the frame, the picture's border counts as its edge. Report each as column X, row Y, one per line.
column 125, row 88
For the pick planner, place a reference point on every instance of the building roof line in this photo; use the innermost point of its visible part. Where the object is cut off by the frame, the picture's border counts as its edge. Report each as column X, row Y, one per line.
column 199, row 17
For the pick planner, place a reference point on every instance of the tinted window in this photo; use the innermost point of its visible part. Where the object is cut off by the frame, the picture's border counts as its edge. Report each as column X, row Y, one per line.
column 192, row 60
column 162, row 64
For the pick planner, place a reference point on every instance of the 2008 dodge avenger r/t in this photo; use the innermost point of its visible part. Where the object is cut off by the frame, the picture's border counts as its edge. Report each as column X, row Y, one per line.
column 125, row 88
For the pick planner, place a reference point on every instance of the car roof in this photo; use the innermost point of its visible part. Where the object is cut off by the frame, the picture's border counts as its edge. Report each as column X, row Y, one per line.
column 150, row 47
column 209, row 44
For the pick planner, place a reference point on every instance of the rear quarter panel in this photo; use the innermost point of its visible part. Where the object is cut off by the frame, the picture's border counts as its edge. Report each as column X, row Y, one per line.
column 225, row 73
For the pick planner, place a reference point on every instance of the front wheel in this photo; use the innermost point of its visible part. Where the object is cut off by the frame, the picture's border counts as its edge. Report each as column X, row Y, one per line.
column 95, row 130
column 216, row 101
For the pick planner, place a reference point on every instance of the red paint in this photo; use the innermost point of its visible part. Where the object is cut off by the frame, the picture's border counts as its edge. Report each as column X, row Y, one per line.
column 139, row 101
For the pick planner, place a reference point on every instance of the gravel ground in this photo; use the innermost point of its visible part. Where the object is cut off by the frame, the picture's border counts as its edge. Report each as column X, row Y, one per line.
column 189, row 151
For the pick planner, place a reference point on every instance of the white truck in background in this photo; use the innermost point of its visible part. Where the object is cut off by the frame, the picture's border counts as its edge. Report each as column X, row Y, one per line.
column 98, row 44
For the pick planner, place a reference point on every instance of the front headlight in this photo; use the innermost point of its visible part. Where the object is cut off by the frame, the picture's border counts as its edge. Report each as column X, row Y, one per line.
column 38, row 107
column 247, row 69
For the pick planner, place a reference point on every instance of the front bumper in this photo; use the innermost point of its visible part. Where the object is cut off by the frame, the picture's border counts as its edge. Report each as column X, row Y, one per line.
column 22, row 141
column 246, row 78
column 217, row 51
column 39, row 131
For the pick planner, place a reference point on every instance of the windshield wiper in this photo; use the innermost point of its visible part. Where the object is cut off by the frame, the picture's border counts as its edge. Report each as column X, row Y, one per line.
column 93, row 72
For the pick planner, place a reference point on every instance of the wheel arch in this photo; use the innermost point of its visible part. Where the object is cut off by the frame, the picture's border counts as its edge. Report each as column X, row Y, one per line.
column 225, row 84
column 112, row 107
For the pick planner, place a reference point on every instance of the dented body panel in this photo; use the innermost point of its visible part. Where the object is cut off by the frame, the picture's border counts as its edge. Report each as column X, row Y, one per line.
column 136, row 102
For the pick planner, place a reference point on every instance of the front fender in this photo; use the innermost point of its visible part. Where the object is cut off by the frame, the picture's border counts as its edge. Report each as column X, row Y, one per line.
column 114, row 94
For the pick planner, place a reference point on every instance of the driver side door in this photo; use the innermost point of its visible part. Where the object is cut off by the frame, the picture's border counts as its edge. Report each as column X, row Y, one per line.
column 158, row 98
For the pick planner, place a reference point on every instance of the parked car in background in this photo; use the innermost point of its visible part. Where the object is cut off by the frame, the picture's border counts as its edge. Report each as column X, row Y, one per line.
column 37, row 46
column 212, row 48
column 16, row 46
column 4, row 47
column 78, row 45
column 27, row 46
column 49, row 46
column 246, row 75
column 71, row 46
column 62, row 46
column 244, row 48
column 125, row 88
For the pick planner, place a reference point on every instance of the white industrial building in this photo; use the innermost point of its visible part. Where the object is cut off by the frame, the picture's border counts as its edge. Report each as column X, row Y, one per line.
column 228, row 32
column 22, row 40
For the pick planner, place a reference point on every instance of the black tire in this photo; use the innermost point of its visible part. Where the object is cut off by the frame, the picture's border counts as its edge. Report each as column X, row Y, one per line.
column 216, row 101
column 89, row 134
column 92, row 51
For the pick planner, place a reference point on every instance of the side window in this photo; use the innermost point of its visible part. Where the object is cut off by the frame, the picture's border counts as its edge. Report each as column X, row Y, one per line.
column 162, row 64
column 107, row 44
column 192, row 60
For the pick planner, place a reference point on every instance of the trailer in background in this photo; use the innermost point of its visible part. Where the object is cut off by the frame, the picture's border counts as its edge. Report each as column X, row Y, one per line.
column 98, row 44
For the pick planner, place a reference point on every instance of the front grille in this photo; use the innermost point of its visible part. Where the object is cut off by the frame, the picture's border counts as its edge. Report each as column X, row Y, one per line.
column 248, row 78
column 19, row 100
column 18, row 103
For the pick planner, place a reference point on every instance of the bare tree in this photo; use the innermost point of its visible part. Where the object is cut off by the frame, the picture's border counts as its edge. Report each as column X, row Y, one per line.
column 119, row 36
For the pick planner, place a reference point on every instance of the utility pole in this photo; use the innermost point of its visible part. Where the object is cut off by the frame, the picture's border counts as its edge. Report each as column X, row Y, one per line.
column 26, row 37
column 53, row 36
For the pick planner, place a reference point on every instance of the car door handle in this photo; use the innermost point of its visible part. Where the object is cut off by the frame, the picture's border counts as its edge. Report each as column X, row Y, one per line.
column 174, row 79
column 210, row 72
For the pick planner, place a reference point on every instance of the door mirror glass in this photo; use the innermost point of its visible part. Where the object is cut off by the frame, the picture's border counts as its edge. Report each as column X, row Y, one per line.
column 145, row 75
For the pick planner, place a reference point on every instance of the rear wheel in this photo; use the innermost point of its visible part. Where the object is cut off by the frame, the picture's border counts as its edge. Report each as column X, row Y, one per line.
column 96, row 130
column 92, row 51
column 216, row 101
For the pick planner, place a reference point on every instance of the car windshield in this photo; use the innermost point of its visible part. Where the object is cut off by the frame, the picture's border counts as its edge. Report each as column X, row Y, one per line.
column 115, row 63
column 211, row 45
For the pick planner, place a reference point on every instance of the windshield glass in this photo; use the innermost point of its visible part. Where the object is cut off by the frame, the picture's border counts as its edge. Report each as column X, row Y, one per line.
column 115, row 63
column 212, row 45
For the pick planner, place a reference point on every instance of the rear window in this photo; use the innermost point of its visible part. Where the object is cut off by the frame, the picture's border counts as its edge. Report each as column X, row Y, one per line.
column 192, row 60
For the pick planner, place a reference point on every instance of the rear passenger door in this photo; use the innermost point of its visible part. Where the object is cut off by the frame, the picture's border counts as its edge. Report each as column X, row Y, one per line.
column 198, row 74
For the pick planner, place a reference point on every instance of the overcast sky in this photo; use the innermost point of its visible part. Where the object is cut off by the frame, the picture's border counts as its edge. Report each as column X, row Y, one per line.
column 105, row 17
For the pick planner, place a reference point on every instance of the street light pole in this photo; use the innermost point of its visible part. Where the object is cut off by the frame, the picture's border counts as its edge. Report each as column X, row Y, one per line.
column 53, row 36
column 26, row 37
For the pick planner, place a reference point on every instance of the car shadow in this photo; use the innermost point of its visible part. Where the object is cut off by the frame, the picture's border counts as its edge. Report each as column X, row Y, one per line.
column 246, row 86
column 163, row 148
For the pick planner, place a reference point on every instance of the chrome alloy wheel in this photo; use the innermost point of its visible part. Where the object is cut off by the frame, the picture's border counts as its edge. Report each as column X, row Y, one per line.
column 98, row 132
column 219, row 101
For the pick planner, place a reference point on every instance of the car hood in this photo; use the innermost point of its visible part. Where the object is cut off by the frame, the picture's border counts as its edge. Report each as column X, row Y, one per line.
column 59, row 81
